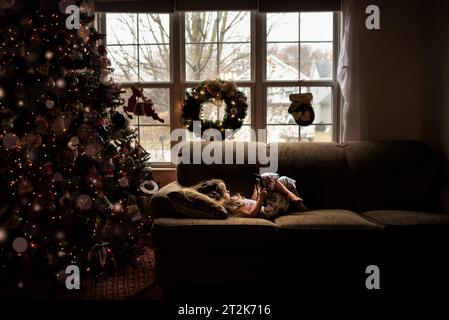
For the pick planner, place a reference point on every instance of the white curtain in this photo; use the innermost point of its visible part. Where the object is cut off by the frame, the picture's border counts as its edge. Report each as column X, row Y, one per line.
column 350, row 71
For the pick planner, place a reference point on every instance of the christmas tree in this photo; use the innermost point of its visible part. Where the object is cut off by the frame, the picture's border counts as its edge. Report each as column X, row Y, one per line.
column 72, row 176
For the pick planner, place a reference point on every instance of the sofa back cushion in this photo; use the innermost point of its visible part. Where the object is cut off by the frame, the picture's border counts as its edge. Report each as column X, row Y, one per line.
column 321, row 172
column 238, row 175
column 403, row 175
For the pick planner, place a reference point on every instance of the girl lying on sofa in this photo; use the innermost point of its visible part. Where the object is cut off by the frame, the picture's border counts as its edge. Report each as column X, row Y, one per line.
column 269, row 202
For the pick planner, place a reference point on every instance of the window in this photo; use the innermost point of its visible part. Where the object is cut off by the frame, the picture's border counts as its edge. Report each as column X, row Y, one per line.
column 139, row 49
column 167, row 54
column 300, row 50
column 217, row 44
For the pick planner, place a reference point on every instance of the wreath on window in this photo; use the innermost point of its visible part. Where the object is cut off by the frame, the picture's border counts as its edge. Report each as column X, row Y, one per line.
column 216, row 92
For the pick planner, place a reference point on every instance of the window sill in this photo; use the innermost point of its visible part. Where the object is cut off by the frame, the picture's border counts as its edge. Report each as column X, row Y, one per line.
column 163, row 167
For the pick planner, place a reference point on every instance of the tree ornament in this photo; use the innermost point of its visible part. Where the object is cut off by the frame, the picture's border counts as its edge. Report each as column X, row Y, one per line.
column 140, row 108
column 109, row 169
column 48, row 55
column 50, row 104
column 41, row 124
column 132, row 209
column 10, row 141
column 149, row 187
column 105, row 122
column 74, row 142
column 64, row 201
column 48, row 168
column 61, row 83
column 84, row 202
column 78, row 105
column 93, row 145
column 301, row 108
column 31, row 141
column 123, row 182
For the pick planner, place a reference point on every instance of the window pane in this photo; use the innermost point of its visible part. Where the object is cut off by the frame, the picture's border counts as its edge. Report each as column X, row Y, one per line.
column 278, row 103
column 234, row 26
column 156, row 141
column 322, row 103
column 244, row 134
column 124, row 62
column 282, row 61
column 235, row 61
column 154, row 62
column 282, row 26
column 161, row 103
column 154, row 28
column 279, row 133
column 316, row 26
column 316, row 60
column 121, row 28
column 201, row 61
column 209, row 34
column 317, row 133
column 201, row 27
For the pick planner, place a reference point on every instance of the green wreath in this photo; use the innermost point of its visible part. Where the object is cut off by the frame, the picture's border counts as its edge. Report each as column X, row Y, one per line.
column 210, row 91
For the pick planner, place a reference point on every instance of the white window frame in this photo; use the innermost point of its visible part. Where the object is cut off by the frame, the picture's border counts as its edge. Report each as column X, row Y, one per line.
column 258, row 83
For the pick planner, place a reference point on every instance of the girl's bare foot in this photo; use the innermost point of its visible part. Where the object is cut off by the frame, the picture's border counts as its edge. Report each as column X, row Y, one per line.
column 298, row 204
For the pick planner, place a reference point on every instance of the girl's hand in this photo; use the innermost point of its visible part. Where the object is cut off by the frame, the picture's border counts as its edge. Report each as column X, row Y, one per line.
column 255, row 194
column 263, row 194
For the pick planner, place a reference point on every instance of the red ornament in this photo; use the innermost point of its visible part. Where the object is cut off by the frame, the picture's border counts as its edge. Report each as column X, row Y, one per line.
column 141, row 108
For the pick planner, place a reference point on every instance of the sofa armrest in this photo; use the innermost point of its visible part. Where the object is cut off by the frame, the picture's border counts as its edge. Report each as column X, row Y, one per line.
column 160, row 204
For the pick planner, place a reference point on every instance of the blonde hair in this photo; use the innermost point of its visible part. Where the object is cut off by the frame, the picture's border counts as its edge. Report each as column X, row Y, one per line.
column 211, row 188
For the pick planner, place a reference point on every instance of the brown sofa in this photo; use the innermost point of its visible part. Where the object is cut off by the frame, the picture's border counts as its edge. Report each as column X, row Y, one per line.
column 381, row 203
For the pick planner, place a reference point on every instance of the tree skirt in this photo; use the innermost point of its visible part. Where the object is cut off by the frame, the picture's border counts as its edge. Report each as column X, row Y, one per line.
column 124, row 284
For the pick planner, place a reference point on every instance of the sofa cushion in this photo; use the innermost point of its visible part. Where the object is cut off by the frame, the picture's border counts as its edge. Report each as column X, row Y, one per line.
column 321, row 172
column 397, row 218
column 231, row 233
column 411, row 231
column 324, row 232
column 324, row 219
column 160, row 204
